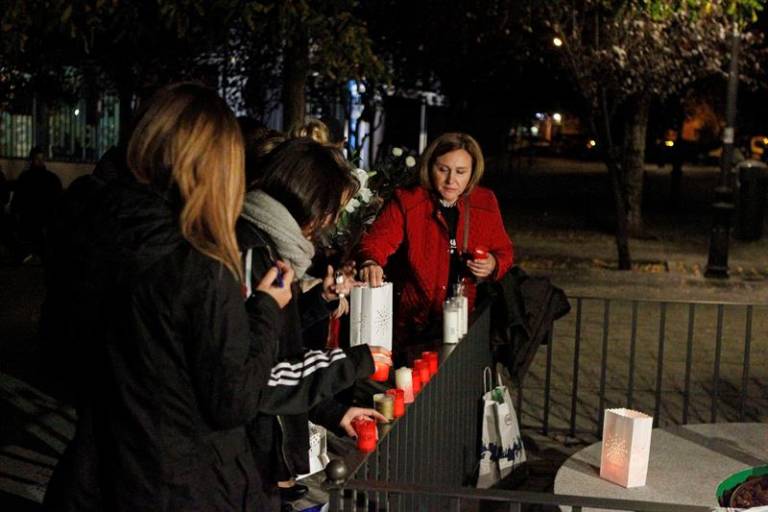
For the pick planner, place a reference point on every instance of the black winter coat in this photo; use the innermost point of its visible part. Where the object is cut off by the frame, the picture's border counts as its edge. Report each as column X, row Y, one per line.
column 281, row 442
column 169, row 369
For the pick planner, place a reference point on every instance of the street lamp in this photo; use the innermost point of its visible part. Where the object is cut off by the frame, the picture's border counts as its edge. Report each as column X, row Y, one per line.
column 557, row 42
column 717, row 264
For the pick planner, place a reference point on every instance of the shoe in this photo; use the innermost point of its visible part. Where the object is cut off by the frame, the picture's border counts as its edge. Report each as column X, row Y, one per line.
column 296, row 492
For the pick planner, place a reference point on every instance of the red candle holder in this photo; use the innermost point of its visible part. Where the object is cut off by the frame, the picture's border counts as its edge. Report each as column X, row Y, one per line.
column 480, row 253
column 382, row 372
column 422, row 367
column 398, row 408
column 367, row 434
column 432, row 359
column 416, row 378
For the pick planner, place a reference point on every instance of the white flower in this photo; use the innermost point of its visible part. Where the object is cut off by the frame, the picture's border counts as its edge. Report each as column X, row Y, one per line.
column 352, row 205
column 362, row 177
column 410, row 161
column 365, row 194
column 397, row 151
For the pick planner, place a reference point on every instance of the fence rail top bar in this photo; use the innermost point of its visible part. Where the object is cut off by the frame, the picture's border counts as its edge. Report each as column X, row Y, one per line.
column 540, row 498
column 668, row 301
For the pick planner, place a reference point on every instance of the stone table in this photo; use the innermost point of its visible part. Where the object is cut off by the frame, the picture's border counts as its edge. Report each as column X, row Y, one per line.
column 686, row 464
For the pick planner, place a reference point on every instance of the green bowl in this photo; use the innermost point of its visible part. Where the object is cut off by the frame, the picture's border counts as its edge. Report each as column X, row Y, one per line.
column 727, row 486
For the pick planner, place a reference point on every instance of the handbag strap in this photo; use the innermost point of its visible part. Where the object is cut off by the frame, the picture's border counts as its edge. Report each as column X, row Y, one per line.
column 465, row 242
column 487, row 379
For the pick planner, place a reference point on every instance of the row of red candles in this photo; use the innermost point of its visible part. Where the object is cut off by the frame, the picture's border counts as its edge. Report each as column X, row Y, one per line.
column 423, row 370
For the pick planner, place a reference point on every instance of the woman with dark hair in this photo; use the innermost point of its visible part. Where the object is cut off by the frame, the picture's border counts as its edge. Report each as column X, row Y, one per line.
column 299, row 191
column 147, row 281
column 445, row 231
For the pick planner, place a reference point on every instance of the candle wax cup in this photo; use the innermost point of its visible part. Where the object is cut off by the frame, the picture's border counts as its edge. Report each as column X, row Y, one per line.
column 416, row 379
column 384, row 404
column 366, row 434
column 404, row 382
column 422, row 367
column 398, row 407
column 382, row 372
column 480, row 253
column 431, row 359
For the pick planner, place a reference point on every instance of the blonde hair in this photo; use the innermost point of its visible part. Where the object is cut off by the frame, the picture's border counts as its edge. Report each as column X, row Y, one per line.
column 313, row 128
column 446, row 143
column 188, row 138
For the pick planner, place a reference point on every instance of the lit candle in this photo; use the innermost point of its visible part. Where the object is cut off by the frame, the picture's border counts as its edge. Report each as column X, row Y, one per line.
column 422, row 366
column 398, row 407
column 382, row 371
column 432, row 360
column 450, row 323
column 416, row 379
column 404, row 381
column 367, row 434
column 385, row 405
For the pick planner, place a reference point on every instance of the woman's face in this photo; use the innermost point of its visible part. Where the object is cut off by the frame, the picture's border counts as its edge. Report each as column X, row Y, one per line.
column 451, row 173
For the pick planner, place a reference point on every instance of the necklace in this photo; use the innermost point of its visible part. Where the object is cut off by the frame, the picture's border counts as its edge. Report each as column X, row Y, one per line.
column 447, row 204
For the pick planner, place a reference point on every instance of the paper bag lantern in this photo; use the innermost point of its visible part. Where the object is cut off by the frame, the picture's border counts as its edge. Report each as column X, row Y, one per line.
column 626, row 445
column 371, row 316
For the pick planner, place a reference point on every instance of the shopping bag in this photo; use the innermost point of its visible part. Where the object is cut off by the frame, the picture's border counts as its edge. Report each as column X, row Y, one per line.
column 318, row 449
column 370, row 316
column 626, row 446
column 502, row 447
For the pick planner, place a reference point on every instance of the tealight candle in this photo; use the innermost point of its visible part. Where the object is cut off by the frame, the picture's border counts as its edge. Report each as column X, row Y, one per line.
column 480, row 253
column 422, row 366
column 398, row 407
column 404, row 381
column 385, row 405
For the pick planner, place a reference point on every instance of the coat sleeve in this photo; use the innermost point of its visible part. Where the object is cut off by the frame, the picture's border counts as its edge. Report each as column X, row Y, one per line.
column 231, row 361
column 499, row 244
column 328, row 414
column 385, row 235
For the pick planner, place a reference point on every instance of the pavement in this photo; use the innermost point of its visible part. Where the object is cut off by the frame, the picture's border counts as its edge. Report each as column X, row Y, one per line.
column 558, row 214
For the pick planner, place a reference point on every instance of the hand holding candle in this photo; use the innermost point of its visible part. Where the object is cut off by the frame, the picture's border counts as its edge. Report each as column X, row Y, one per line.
column 355, row 412
column 483, row 263
column 382, row 361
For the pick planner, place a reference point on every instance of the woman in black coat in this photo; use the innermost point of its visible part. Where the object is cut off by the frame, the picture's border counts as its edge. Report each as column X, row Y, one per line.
column 146, row 282
column 299, row 189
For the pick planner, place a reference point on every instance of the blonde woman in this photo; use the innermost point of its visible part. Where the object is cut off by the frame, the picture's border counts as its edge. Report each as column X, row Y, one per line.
column 147, row 283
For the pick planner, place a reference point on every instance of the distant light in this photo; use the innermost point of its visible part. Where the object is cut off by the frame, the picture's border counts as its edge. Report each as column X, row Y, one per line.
column 592, row 143
column 557, row 42
column 557, row 117
column 540, row 116
column 765, row 141
column 534, row 130
column 77, row 112
column 669, row 143
column 233, row 60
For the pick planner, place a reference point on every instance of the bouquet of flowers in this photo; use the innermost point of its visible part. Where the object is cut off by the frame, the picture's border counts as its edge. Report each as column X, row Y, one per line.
column 396, row 169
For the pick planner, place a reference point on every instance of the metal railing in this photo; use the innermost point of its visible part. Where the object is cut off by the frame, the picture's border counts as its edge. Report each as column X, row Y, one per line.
column 375, row 496
column 683, row 362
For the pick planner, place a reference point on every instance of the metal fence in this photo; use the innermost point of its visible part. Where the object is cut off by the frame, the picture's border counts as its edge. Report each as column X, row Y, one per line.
column 437, row 441
column 68, row 131
column 374, row 496
column 682, row 362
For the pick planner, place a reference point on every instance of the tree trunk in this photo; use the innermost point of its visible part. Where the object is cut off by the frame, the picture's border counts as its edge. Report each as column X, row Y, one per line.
column 603, row 119
column 295, row 70
column 636, row 124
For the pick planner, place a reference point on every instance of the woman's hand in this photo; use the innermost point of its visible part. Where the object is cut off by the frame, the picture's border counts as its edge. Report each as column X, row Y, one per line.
column 337, row 285
column 482, row 268
column 354, row 412
column 381, row 355
column 282, row 293
column 372, row 274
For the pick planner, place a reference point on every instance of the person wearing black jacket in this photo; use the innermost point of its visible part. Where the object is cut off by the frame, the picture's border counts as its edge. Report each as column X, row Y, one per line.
column 299, row 190
column 146, row 290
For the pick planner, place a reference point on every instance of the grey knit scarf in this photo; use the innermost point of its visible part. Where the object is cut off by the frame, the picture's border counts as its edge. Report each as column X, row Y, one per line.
column 273, row 218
